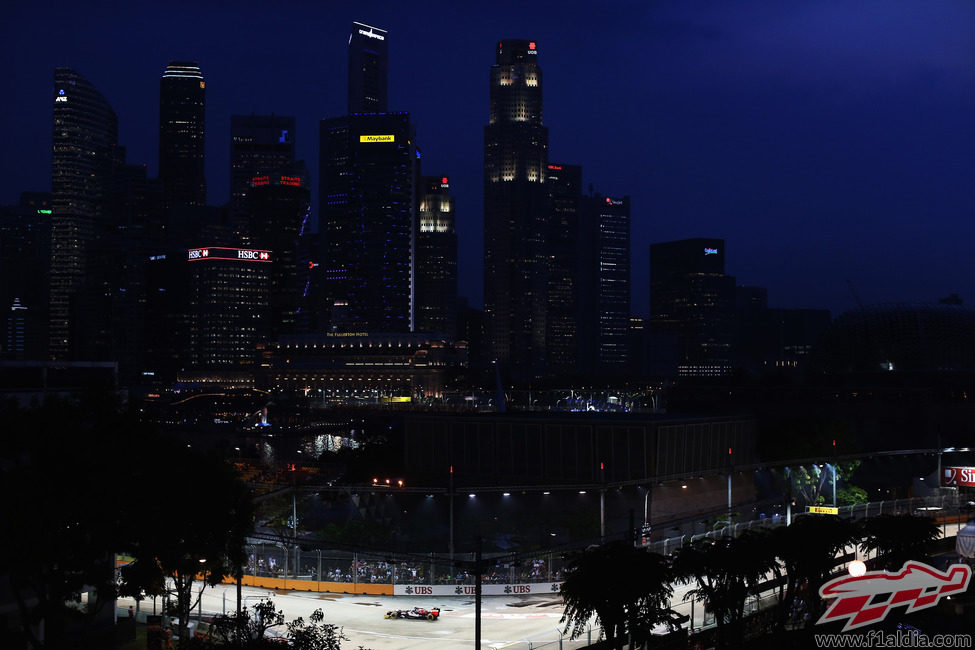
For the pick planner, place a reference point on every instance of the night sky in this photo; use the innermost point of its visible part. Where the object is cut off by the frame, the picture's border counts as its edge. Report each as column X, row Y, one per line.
column 825, row 140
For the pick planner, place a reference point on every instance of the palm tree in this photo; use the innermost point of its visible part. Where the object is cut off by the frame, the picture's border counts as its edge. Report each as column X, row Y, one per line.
column 726, row 571
column 808, row 550
column 633, row 602
column 897, row 539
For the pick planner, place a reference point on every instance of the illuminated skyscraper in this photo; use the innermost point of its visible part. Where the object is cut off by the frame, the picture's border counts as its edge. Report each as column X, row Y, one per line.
column 605, row 294
column 368, row 69
column 279, row 205
column 368, row 174
column 259, row 145
column 84, row 154
column 228, row 310
column 182, row 127
column 515, row 216
column 436, row 259
column 564, row 189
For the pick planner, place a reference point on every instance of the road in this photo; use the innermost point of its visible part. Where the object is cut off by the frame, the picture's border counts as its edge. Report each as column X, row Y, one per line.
column 515, row 622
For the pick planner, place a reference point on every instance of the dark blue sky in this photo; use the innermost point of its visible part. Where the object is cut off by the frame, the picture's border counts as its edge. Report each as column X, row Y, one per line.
column 825, row 141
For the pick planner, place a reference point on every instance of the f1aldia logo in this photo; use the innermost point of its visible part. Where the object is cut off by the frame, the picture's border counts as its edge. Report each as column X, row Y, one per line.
column 864, row 600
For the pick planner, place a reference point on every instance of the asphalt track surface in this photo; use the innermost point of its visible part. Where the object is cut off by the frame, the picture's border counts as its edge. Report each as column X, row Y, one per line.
column 515, row 622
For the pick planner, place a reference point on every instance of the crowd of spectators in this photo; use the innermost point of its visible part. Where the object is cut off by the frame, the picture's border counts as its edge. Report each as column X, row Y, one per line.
column 273, row 565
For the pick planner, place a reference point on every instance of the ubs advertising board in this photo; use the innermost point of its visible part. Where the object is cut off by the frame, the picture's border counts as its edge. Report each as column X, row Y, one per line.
column 486, row 590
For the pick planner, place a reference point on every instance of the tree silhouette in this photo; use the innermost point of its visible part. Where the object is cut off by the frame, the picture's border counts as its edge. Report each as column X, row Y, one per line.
column 63, row 516
column 897, row 539
column 725, row 572
column 200, row 538
column 808, row 550
column 626, row 588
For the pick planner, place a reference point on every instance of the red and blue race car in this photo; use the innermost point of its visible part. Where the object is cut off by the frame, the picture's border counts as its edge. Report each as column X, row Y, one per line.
column 416, row 612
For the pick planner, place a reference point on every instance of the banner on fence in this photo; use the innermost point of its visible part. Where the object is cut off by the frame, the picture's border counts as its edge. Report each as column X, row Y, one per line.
column 958, row 476
column 486, row 590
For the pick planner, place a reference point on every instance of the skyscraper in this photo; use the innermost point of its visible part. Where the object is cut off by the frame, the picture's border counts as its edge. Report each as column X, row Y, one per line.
column 259, row 145
column 368, row 69
column 515, row 223
column 436, row 259
column 564, row 188
column 692, row 301
column 279, row 205
column 368, row 174
column 228, row 291
column 182, row 127
column 25, row 257
column 84, row 154
column 606, row 304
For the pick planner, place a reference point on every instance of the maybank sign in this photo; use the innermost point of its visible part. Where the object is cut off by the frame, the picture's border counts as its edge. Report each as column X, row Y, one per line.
column 377, row 138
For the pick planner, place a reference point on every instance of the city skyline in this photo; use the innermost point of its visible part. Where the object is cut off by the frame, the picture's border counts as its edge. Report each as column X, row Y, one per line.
column 823, row 144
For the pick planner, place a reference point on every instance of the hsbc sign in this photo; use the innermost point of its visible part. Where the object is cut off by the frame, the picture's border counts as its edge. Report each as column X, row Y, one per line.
column 958, row 476
column 220, row 253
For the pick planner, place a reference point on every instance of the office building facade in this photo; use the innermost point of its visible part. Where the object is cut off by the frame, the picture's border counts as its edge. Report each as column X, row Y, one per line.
column 259, row 145
column 692, row 304
column 436, row 258
column 279, row 205
column 84, row 155
column 25, row 250
column 228, row 307
column 564, row 187
column 368, row 69
column 182, row 130
column 368, row 175
column 515, row 212
column 605, row 312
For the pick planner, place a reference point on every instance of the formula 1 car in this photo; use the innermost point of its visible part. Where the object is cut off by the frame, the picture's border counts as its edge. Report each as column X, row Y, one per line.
column 416, row 612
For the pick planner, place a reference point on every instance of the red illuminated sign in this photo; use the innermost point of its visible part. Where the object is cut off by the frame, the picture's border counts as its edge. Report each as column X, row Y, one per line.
column 531, row 45
column 221, row 253
column 260, row 180
column 558, row 167
column 294, row 181
column 444, row 180
column 958, row 476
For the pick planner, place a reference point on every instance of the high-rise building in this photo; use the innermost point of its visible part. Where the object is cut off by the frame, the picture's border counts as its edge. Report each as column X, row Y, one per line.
column 605, row 313
column 564, row 185
column 259, row 145
column 436, row 259
column 84, row 156
column 368, row 69
column 692, row 302
column 182, row 129
column 515, row 216
column 25, row 257
column 228, row 290
column 368, row 174
column 279, row 204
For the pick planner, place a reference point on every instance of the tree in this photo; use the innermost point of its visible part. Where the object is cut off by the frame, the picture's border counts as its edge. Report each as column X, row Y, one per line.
column 200, row 539
column 245, row 630
column 626, row 588
column 249, row 631
column 725, row 572
column 808, row 549
column 897, row 539
column 61, row 467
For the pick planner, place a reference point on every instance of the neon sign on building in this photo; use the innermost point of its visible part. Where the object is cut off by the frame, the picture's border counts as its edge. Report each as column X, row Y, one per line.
column 222, row 253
